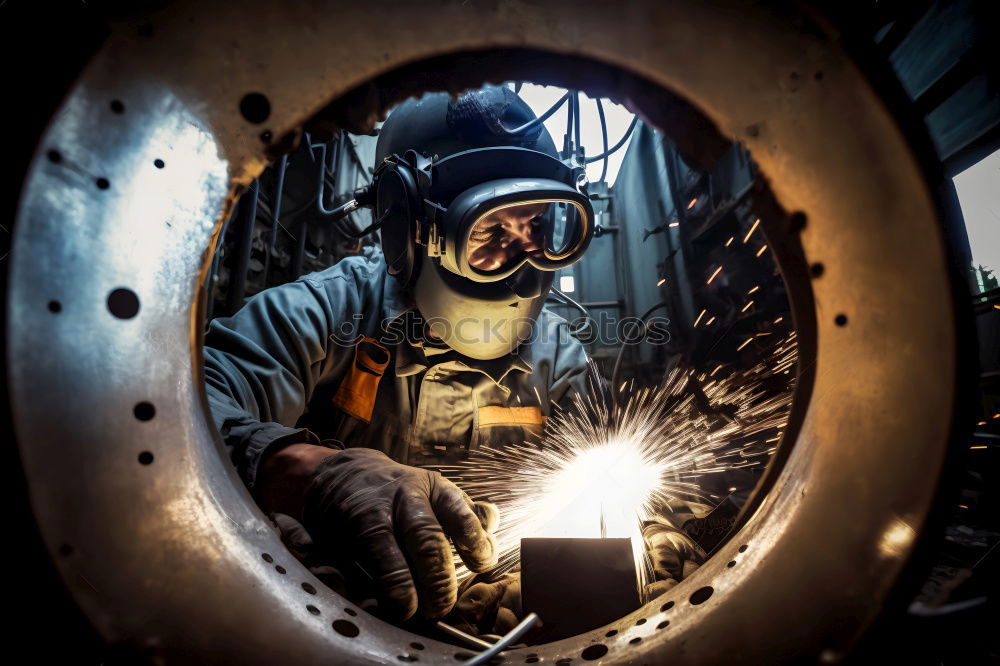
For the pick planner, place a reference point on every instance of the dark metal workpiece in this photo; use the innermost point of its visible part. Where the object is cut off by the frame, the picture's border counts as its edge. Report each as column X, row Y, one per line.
column 576, row 585
column 173, row 560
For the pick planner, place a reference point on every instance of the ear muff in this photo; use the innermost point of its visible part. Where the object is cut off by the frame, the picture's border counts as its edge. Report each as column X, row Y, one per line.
column 398, row 205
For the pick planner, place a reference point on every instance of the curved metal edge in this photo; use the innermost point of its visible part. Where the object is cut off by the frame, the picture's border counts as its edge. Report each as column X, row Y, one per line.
column 792, row 523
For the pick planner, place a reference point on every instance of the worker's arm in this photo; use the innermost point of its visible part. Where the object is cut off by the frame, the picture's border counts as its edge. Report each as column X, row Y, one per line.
column 263, row 363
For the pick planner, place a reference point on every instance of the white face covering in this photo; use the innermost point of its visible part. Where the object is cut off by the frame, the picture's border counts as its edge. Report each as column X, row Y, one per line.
column 476, row 327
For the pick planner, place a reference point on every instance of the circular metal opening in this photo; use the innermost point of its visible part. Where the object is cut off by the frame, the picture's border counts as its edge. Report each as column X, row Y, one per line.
column 818, row 140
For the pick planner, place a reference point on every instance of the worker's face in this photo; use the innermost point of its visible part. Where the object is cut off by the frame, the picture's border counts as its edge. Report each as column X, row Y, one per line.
column 506, row 234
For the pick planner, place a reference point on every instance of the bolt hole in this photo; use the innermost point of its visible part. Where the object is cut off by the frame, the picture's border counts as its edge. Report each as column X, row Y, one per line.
column 593, row 652
column 54, row 156
column 818, row 75
column 611, row 633
column 417, row 646
column 345, row 628
column 255, row 107
column 55, row 307
column 667, row 606
column 158, row 163
column 797, row 222
column 308, row 588
column 265, row 136
column 816, row 270
column 406, row 657
column 531, row 660
column 637, row 639
column 123, row 303
column 144, row 411
column 145, row 458
column 351, row 612
column 103, row 183
column 117, row 106
column 743, row 548
column 280, row 569
column 640, row 621
column 463, row 656
column 701, row 595
column 731, row 563
column 267, row 557
column 312, row 609
column 65, row 550
column 840, row 320
column 565, row 660
column 663, row 625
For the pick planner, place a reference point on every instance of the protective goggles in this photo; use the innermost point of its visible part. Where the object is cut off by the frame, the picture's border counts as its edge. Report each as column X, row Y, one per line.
column 492, row 229
column 534, row 210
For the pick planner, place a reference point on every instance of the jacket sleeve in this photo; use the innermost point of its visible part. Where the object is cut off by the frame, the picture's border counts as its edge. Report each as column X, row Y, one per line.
column 263, row 363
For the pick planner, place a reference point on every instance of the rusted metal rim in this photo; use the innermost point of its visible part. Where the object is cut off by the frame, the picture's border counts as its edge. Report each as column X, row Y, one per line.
column 155, row 536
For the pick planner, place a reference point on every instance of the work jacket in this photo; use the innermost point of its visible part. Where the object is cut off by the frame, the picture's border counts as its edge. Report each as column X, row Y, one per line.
column 274, row 373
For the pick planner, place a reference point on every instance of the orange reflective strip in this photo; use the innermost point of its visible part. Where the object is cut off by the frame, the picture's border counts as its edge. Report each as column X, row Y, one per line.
column 492, row 415
column 357, row 390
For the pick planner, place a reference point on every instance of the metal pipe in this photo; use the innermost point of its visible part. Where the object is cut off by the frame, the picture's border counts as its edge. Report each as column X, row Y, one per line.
column 248, row 213
column 276, row 217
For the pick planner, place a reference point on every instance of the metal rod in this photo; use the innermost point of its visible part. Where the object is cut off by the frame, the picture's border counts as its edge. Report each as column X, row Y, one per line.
column 455, row 632
column 515, row 633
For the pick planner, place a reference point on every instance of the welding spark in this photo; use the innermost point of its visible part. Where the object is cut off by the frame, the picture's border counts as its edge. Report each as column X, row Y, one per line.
column 603, row 469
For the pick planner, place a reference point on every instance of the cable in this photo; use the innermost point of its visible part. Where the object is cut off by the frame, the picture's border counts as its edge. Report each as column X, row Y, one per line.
column 531, row 124
column 578, row 130
column 621, row 350
column 613, row 149
column 569, row 301
column 604, row 139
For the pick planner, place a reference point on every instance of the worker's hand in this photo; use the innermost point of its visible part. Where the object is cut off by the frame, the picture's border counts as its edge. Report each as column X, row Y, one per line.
column 397, row 520
column 492, row 607
column 674, row 555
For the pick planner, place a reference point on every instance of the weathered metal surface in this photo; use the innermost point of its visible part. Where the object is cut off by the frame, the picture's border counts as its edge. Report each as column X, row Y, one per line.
column 168, row 556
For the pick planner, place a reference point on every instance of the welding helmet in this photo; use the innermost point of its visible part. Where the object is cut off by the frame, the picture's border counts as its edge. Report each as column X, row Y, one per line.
column 476, row 211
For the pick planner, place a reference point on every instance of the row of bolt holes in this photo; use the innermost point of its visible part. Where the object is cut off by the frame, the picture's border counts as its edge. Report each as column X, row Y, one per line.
column 124, row 304
column 598, row 650
column 590, row 653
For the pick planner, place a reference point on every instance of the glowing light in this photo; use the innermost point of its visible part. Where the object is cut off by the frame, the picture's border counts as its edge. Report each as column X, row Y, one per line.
column 675, row 224
column 729, row 242
column 761, row 250
column 717, row 368
column 692, row 203
column 717, row 271
column 976, row 447
column 660, row 283
column 603, row 468
column 962, row 506
column 702, row 314
column 567, row 284
column 981, row 423
column 747, row 306
column 752, row 229
column 753, row 290
column 710, row 321
column 748, row 341
column 778, row 320
column 896, row 538
column 996, row 307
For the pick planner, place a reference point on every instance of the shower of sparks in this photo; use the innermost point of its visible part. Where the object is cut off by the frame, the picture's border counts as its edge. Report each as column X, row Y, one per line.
column 601, row 471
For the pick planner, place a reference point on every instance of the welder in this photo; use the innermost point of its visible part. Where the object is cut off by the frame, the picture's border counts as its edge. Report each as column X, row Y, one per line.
column 334, row 391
